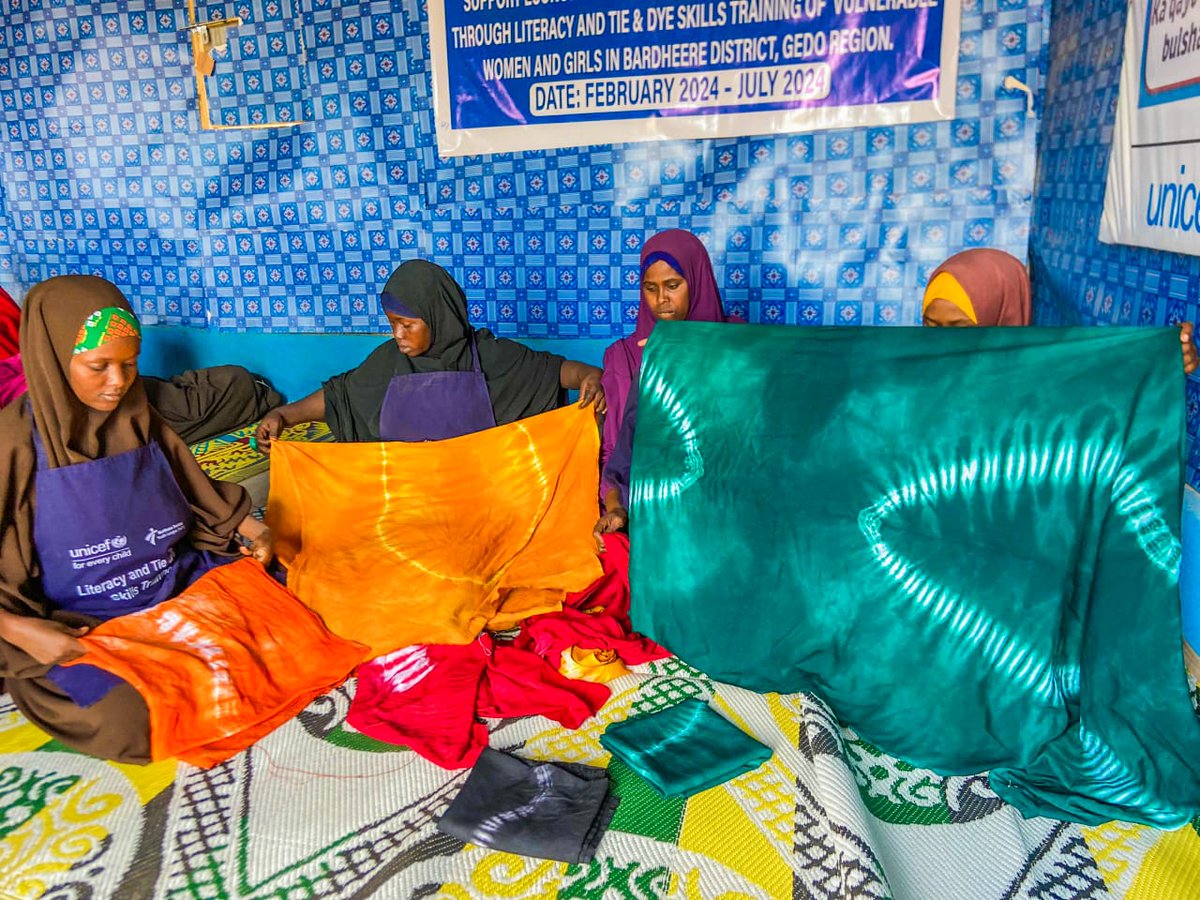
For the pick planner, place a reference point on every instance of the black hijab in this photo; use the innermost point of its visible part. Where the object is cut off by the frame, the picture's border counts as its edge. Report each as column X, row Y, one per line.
column 521, row 382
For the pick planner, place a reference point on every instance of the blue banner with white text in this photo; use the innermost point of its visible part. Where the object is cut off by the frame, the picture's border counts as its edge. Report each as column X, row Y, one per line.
column 530, row 74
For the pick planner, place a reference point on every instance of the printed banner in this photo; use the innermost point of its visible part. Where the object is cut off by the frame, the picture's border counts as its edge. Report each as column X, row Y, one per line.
column 537, row 74
column 1152, row 198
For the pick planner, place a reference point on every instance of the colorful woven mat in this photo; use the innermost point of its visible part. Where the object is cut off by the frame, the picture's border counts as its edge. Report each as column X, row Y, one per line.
column 231, row 457
column 317, row 810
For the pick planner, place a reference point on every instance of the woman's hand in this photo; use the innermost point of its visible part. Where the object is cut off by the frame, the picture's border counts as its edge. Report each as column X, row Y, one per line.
column 262, row 541
column 591, row 391
column 1190, row 358
column 613, row 520
column 268, row 429
column 577, row 376
column 262, row 547
column 47, row 641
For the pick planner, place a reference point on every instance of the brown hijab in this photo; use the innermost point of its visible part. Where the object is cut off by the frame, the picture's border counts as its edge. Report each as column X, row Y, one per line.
column 73, row 433
column 997, row 284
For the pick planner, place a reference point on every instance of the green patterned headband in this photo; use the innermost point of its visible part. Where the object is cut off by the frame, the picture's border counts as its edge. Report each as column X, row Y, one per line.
column 105, row 325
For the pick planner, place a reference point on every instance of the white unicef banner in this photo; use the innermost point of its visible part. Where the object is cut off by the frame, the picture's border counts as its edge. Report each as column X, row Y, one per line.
column 1152, row 198
column 514, row 75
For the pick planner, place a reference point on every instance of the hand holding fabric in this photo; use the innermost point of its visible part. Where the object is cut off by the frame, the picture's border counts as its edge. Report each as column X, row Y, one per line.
column 588, row 380
column 47, row 641
column 1190, row 357
column 262, row 547
column 615, row 519
column 261, row 544
column 268, row 429
column 590, row 391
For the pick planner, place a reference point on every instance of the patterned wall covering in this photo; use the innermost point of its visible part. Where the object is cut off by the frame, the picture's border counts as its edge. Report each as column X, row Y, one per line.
column 105, row 171
column 1077, row 279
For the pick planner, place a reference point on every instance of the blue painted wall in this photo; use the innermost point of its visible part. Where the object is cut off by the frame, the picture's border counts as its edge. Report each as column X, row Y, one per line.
column 296, row 364
column 103, row 170
column 1077, row 279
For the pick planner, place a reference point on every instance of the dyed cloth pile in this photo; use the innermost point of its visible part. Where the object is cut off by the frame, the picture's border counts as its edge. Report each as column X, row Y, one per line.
column 416, row 549
column 430, row 698
column 975, row 571
column 422, row 550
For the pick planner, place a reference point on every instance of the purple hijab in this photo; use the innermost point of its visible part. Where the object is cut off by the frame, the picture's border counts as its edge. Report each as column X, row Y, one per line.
column 684, row 253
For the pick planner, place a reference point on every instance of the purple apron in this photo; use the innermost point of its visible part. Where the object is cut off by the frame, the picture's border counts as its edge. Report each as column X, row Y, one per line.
column 111, row 538
column 434, row 406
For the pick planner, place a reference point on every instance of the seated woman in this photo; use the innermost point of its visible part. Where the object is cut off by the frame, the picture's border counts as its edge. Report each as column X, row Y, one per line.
column 991, row 287
column 437, row 377
column 103, row 512
column 678, row 283
column 197, row 405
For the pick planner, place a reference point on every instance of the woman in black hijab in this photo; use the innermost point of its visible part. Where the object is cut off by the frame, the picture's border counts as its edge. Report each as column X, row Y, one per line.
column 438, row 377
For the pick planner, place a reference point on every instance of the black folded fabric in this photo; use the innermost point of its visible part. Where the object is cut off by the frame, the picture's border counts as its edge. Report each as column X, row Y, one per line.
column 545, row 810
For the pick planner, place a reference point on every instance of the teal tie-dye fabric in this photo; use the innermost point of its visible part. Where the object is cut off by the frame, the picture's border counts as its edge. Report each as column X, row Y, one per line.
column 684, row 749
column 965, row 540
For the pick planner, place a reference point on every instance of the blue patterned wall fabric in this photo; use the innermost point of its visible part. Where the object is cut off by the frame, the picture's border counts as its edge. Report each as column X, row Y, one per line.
column 1077, row 279
column 104, row 170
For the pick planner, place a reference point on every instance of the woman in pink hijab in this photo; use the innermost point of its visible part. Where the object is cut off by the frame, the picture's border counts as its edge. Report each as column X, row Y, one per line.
column 678, row 283
column 977, row 287
column 991, row 287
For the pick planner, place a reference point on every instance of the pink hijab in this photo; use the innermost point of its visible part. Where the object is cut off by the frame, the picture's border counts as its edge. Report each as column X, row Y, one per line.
column 996, row 282
column 684, row 253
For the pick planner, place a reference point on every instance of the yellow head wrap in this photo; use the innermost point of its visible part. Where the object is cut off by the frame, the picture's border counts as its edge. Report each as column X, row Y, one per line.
column 946, row 287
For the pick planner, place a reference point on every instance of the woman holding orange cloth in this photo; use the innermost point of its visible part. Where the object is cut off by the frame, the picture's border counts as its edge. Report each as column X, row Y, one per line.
column 438, row 377
column 103, row 512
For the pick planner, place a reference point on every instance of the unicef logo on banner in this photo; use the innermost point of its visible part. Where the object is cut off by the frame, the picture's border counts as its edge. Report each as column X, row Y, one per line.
column 119, row 541
column 1152, row 195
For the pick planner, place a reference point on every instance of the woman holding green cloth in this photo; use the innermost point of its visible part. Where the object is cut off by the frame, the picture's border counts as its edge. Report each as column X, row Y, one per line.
column 982, row 287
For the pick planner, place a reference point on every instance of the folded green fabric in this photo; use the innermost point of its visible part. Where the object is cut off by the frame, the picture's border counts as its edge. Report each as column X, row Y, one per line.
column 685, row 749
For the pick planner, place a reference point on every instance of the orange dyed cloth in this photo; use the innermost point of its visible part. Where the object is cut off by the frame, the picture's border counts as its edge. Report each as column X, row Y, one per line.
column 396, row 544
column 222, row 664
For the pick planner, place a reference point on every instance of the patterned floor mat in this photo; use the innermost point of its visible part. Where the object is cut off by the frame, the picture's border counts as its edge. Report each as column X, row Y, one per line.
column 231, row 458
column 316, row 810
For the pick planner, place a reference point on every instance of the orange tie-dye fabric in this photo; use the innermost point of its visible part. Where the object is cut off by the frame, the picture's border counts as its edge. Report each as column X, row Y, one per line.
column 222, row 664
column 429, row 543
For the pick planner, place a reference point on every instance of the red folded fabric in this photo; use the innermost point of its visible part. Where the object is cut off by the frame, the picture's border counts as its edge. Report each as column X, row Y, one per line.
column 10, row 323
column 427, row 697
column 593, row 619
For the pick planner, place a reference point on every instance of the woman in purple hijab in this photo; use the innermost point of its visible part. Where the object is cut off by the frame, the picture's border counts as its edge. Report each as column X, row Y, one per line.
column 678, row 283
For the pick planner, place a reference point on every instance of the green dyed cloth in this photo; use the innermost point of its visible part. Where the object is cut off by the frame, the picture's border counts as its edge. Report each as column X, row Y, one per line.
column 684, row 749
column 965, row 540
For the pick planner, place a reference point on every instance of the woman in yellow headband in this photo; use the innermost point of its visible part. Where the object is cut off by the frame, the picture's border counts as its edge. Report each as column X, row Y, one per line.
column 991, row 287
column 977, row 287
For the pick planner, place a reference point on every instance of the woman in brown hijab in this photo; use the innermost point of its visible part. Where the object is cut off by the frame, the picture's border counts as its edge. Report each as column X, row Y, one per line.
column 103, row 512
column 989, row 287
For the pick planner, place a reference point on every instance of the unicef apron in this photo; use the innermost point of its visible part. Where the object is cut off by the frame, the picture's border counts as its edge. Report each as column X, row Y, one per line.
column 110, row 538
column 434, row 406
